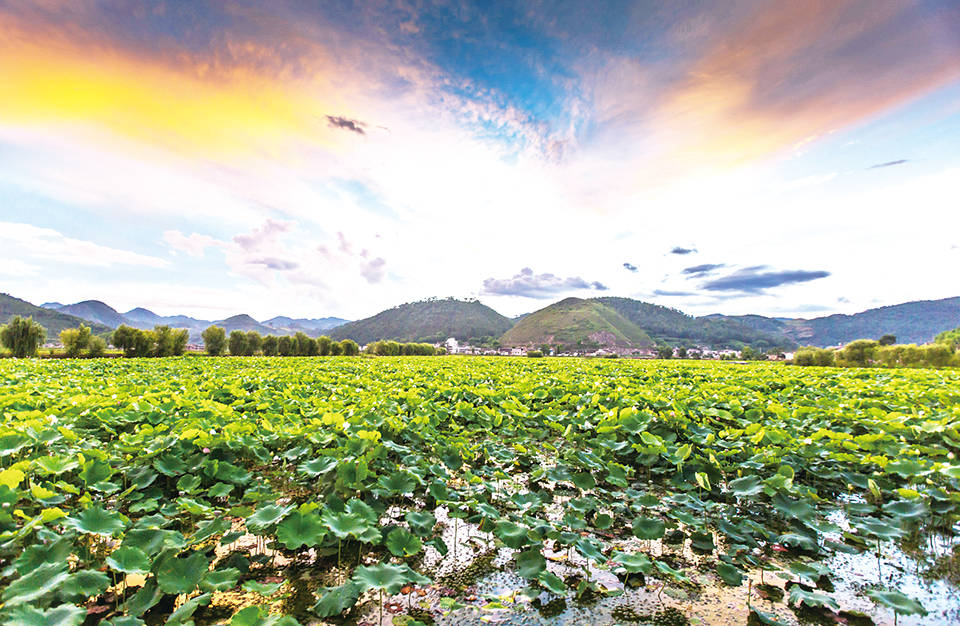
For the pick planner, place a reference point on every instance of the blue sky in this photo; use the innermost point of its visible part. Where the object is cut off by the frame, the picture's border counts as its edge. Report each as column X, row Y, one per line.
column 213, row 158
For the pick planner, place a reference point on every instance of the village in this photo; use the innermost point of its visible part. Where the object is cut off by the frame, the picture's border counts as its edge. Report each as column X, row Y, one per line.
column 452, row 346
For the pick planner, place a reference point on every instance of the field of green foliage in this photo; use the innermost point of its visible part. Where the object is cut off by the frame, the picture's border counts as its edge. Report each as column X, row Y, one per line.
column 462, row 490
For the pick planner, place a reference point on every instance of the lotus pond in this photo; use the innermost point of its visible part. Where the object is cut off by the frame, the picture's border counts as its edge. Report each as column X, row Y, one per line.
column 408, row 491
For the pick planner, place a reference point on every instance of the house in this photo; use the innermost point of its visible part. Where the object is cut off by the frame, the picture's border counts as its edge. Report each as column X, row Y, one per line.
column 452, row 345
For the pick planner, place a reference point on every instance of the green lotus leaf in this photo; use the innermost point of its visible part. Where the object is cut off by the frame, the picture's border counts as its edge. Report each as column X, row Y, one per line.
column 83, row 584
column 439, row 545
column 266, row 517
column 220, row 490
column 145, row 599
column 208, row 529
column 877, row 528
column 389, row 578
column 803, row 542
column 260, row 616
column 153, row 540
column 63, row 615
column 552, row 583
column 617, row 475
column 702, row 541
column 895, row 600
column 56, row 465
column 674, row 574
column 95, row 471
column 220, row 579
column 43, row 554
column 182, row 574
column 793, row 509
column 811, row 571
column 398, row 482
column 335, row 600
column 301, row 529
column 264, row 589
column 188, row 483
column 906, row 510
column 129, row 560
column 421, row 523
column 363, row 510
column 319, row 466
column 590, row 548
column 12, row 443
column 530, row 563
column 169, row 465
column 730, row 574
column 907, row 468
column 186, row 610
column 799, row 595
column 401, row 542
column 649, row 528
column 95, row 520
column 746, row 486
column 512, row 535
column 36, row 584
column 603, row 521
column 584, row 480
column 768, row 619
column 125, row 620
column 344, row 524
column 633, row 563
column 439, row 491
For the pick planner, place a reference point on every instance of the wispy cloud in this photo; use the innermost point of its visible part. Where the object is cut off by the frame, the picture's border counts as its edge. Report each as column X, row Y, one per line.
column 531, row 285
column 630, row 267
column 45, row 243
column 355, row 126
column 681, row 250
column 700, row 270
column 889, row 164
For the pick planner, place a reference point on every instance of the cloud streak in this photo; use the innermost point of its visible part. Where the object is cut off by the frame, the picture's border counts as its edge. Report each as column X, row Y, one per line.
column 888, row 164
column 756, row 279
column 355, row 126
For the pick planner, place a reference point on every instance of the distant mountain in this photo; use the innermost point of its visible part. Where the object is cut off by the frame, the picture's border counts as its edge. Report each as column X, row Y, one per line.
column 51, row 305
column 576, row 323
column 910, row 322
column 428, row 320
column 245, row 323
column 53, row 321
column 94, row 311
column 666, row 325
column 309, row 326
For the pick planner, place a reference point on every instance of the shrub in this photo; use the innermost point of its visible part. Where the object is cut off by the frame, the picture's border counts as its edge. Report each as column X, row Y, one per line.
column 96, row 347
column 75, row 340
column 859, row 353
column 534, row 354
column 349, row 347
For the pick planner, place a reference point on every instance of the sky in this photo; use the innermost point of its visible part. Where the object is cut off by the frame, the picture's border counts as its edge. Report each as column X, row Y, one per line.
column 786, row 158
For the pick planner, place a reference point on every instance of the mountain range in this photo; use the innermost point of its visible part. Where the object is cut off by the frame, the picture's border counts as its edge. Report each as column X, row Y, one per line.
column 608, row 322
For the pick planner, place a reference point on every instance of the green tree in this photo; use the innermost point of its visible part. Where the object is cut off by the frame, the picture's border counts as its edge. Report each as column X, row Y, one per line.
column 214, row 340
column 859, row 353
column 335, row 348
column 165, row 340
column 144, row 343
column 22, row 336
column 75, row 340
column 237, row 342
column 97, row 346
column 937, row 354
column 951, row 337
column 254, row 343
column 349, row 347
column 125, row 338
column 681, row 353
column 887, row 340
column 664, row 352
column 323, row 345
column 270, row 345
column 286, row 346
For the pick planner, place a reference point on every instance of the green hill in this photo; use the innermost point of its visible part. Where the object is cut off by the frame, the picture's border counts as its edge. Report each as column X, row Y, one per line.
column 666, row 325
column 430, row 321
column 576, row 323
column 910, row 322
column 53, row 321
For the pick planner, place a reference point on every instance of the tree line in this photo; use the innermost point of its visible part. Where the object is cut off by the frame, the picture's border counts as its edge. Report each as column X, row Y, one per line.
column 885, row 352
column 216, row 342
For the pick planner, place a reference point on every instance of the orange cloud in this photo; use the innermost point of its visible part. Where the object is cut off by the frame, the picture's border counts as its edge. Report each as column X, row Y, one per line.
column 194, row 106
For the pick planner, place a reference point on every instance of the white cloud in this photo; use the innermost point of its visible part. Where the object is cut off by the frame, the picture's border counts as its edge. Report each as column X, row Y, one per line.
column 46, row 243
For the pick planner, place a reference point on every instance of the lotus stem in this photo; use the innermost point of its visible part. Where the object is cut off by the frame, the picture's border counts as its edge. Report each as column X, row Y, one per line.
column 381, row 606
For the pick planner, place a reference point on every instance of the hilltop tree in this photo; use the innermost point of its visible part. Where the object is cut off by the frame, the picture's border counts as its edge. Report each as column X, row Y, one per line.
column 22, row 336
column 887, row 340
column 75, row 340
column 254, row 342
column 237, row 343
column 951, row 337
column 214, row 340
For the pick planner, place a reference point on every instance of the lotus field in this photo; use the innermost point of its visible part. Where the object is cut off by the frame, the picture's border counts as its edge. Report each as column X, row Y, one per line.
column 455, row 490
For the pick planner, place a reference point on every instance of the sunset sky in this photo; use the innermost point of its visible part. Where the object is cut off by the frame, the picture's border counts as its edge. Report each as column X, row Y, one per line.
column 311, row 159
